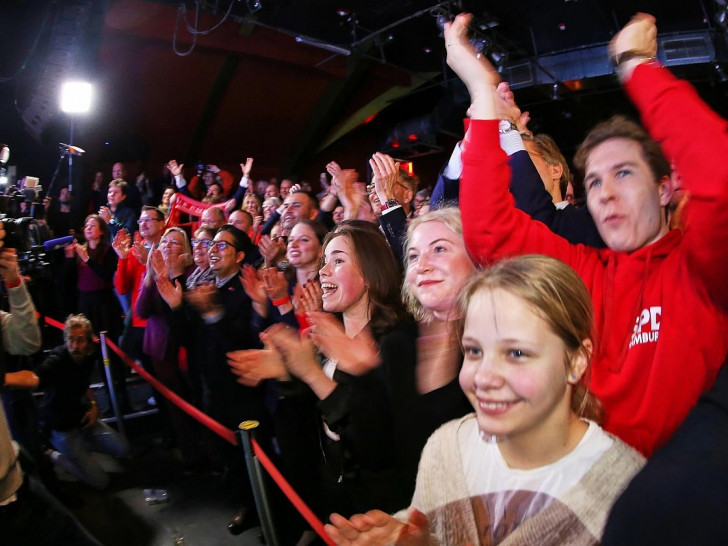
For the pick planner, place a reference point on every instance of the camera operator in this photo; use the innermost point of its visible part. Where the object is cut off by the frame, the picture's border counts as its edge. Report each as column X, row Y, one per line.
column 28, row 513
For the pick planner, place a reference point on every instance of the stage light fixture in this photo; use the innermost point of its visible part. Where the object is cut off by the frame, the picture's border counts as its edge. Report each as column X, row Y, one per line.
column 76, row 97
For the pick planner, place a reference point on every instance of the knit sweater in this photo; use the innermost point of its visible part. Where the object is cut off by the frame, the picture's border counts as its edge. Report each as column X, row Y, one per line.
column 660, row 311
column 578, row 517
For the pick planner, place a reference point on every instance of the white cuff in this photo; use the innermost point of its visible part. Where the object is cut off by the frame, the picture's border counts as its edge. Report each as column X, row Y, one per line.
column 511, row 142
column 454, row 167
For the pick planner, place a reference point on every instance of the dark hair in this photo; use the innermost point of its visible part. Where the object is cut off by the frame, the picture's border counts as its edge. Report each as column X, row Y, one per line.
column 102, row 226
column 241, row 241
column 622, row 127
column 158, row 213
column 317, row 227
column 311, row 196
column 381, row 272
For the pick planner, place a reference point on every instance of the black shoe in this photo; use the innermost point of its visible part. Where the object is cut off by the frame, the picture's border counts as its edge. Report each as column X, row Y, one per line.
column 242, row 521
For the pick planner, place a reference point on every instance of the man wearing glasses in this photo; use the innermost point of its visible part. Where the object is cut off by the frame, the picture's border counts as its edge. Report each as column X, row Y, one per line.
column 130, row 274
column 218, row 320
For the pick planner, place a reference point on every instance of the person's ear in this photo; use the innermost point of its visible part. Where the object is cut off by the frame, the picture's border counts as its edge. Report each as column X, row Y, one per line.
column 579, row 362
column 556, row 171
column 240, row 257
column 665, row 189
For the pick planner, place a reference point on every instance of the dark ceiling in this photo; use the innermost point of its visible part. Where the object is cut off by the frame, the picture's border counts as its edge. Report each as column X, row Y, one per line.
column 254, row 86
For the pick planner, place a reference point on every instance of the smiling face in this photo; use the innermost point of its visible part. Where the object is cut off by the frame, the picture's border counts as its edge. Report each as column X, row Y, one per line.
column 251, row 205
column 438, row 266
column 298, row 207
column 344, row 288
column 201, row 248
column 514, row 371
column 304, row 249
column 167, row 196
column 224, row 261
column 623, row 197
column 150, row 227
column 171, row 245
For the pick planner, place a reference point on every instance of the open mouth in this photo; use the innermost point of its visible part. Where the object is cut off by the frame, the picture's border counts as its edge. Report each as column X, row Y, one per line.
column 328, row 289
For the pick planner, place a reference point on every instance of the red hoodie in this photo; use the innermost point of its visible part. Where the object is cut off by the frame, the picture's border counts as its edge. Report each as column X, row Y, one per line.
column 660, row 311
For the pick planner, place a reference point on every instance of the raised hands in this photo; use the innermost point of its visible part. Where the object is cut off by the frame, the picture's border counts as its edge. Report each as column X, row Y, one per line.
column 170, row 292
column 476, row 72
column 355, row 356
column 122, row 243
column 342, row 180
column 307, row 298
column 140, row 250
column 385, row 173
column 254, row 285
column 247, row 167
column 253, row 366
column 105, row 213
column 634, row 44
column 298, row 353
column 204, row 299
column 270, row 250
column 156, row 264
column 175, row 169
column 377, row 528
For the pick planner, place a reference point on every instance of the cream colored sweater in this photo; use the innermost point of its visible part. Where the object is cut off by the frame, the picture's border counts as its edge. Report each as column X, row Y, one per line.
column 578, row 519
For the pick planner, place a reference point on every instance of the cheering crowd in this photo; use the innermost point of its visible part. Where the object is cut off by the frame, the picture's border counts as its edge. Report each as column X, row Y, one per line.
column 488, row 364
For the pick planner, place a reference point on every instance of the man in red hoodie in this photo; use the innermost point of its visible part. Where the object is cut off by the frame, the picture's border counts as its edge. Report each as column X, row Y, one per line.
column 660, row 296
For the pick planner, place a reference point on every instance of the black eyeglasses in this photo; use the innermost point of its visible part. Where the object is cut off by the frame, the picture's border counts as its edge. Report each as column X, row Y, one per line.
column 220, row 245
column 207, row 243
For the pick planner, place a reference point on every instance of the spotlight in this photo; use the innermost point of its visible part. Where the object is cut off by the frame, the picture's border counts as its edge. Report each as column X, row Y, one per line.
column 76, row 97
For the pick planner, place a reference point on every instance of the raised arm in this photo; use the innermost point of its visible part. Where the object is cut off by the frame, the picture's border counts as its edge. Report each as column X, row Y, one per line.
column 694, row 138
column 492, row 226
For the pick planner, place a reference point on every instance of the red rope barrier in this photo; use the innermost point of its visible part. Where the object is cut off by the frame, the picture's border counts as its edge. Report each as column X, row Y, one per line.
column 225, row 433
column 297, row 501
column 189, row 409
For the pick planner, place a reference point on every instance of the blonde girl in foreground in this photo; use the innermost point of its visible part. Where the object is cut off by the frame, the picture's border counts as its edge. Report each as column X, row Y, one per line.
column 531, row 465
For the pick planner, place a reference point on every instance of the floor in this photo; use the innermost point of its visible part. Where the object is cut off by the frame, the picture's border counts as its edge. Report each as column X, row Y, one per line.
column 197, row 509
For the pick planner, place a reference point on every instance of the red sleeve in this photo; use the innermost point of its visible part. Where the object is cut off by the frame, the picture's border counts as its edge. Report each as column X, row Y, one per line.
column 492, row 225
column 192, row 186
column 227, row 182
column 124, row 278
column 693, row 137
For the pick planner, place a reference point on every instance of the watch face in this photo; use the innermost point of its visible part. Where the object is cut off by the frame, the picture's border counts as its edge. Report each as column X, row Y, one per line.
column 504, row 126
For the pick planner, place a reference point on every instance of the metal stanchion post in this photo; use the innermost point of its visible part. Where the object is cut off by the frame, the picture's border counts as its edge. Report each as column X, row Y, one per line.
column 110, row 384
column 255, row 473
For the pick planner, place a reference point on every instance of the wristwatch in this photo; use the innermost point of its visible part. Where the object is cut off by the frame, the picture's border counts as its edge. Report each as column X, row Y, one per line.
column 390, row 203
column 506, row 126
